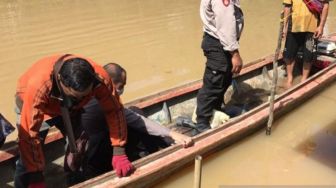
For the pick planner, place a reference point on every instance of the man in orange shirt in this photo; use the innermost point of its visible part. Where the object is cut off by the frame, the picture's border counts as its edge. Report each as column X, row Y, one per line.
column 51, row 85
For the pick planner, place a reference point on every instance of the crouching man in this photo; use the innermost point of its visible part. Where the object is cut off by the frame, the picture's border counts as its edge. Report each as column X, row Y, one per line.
column 53, row 91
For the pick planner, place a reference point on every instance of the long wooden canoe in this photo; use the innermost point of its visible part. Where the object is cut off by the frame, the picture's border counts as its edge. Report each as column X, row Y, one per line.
column 253, row 90
column 181, row 101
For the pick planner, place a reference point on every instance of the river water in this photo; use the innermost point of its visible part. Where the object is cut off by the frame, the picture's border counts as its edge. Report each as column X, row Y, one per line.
column 157, row 42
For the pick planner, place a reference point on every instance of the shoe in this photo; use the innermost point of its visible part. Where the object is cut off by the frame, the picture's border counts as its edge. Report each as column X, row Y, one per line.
column 202, row 127
column 185, row 122
column 199, row 128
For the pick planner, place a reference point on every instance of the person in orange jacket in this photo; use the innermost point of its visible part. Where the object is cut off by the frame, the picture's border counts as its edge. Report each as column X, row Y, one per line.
column 63, row 82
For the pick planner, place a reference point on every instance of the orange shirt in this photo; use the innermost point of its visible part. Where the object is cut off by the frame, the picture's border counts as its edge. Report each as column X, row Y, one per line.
column 34, row 89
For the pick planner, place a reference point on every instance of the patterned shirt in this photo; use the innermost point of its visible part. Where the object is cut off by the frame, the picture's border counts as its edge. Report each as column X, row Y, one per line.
column 302, row 19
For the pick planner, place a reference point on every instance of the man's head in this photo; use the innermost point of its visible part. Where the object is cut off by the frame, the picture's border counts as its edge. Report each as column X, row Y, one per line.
column 76, row 78
column 118, row 76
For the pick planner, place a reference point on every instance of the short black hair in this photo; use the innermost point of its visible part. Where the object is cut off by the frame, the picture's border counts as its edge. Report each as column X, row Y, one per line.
column 115, row 71
column 77, row 73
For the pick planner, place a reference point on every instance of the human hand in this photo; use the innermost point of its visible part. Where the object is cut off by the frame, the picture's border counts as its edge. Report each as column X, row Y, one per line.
column 73, row 161
column 237, row 62
column 186, row 141
column 122, row 165
column 318, row 32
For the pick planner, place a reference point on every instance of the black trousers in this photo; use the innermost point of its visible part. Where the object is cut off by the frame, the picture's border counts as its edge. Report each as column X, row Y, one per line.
column 297, row 41
column 216, row 79
column 22, row 178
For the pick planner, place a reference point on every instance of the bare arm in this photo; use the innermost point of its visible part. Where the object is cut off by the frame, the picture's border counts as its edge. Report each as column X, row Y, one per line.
column 226, row 24
column 287, row 10
column 323, row 18
column 145, row 125
column 179, row 138
column 237, row 62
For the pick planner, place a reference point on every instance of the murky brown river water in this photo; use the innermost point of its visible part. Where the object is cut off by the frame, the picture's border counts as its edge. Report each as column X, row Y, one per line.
column 158, row 42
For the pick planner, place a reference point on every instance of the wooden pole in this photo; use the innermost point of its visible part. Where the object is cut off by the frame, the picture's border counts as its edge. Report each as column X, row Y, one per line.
column 275, row 76
column 198, row 171
column 69, row 130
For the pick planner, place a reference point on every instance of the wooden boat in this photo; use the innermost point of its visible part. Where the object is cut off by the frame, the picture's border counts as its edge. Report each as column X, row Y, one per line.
column 251, row 91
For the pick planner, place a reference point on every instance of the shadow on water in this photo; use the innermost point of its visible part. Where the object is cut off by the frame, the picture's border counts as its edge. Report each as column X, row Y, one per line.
column 321, row 146
column 54, row 174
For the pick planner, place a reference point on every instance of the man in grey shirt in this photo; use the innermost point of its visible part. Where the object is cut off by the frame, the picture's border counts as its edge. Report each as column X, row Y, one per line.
column 136, row 120
column 222, row 26
column 140, row 130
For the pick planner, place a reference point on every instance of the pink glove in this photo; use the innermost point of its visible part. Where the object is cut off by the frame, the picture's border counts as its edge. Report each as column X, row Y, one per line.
column 37, row 185
column 122, row 165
